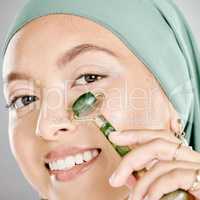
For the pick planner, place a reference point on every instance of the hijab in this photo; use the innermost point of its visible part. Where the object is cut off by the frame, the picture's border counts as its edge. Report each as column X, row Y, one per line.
column 155, row 31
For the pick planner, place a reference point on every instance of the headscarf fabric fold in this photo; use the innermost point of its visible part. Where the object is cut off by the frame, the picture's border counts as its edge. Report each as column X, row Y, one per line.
column 153, row 30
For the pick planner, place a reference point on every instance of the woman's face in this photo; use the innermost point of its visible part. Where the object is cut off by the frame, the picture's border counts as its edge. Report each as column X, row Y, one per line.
column 52, row 60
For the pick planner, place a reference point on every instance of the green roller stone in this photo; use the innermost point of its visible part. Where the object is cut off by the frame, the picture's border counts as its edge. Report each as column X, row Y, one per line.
column 84, row 104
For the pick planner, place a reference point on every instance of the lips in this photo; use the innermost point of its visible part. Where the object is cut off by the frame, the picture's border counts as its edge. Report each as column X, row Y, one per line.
column 68, row 174
column 61, row 153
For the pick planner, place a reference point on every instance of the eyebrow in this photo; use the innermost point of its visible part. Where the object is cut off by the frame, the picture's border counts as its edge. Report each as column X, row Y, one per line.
column 67, row 57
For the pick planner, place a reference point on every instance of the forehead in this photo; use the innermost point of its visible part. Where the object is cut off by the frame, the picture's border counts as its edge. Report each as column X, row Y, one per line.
column 40, row 42
column 57, row 28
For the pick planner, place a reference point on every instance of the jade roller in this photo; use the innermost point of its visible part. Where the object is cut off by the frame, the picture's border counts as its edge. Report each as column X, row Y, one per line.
column 87, row 108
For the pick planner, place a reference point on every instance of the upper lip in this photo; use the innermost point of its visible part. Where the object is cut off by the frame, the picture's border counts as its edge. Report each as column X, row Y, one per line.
column 62, row 152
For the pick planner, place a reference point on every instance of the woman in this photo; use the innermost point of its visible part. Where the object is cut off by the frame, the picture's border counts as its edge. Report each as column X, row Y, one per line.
column 143, row 56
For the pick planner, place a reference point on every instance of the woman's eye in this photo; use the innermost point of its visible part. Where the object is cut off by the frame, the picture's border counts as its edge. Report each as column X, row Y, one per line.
column 21, row 101
column 88, row 78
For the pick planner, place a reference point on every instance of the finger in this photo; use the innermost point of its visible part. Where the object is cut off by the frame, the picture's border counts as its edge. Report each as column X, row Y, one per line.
column 172, row 181
column 130, row 182
column 138, row 158
column 140, row 136
column 159, row 169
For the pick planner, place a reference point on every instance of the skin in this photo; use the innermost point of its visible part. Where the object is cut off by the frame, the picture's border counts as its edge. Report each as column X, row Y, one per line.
column 132, row 96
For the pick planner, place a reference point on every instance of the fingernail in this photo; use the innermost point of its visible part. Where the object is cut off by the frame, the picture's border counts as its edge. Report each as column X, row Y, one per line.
column 151, row 164
column 130, row 182
column 114, row 134
column 113, row 180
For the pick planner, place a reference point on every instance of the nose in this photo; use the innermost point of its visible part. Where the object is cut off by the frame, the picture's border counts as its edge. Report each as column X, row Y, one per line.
column 53, row 122
column 53, row 126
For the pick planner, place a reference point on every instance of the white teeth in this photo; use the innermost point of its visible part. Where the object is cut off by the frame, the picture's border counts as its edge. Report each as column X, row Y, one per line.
column 95, row 153
column 87, row 155
column 61, row 164
column 54, row 165
column 79, row 158
column 71, row 161
column 51, row 166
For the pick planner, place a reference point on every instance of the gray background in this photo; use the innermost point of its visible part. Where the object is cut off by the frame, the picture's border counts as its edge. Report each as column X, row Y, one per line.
column 12, row 183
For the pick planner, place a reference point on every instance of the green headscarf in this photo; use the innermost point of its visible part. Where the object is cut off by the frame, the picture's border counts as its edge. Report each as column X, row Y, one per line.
column 155, row 31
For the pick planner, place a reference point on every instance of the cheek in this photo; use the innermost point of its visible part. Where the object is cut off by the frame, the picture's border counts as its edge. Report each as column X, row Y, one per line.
column 116, row 106
column 134, row 104
column 22, row 147
column 23, row 142
column 26, row 150
column 159, row 110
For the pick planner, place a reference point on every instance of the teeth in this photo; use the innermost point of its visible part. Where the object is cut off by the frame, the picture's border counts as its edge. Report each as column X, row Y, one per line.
column 71, row 161
column 79, row 158
column 95, row 153
column 61, row 164
column 51, row 165
column 87, row 155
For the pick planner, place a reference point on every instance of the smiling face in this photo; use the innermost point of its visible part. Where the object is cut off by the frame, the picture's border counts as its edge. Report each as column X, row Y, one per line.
column 48, row 64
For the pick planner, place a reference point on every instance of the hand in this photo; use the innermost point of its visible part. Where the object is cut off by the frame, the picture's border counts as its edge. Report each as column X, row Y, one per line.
column 165, row 175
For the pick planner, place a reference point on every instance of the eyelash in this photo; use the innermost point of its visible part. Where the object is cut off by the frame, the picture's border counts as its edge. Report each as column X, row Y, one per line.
column 90, row 74
column 13, row 101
